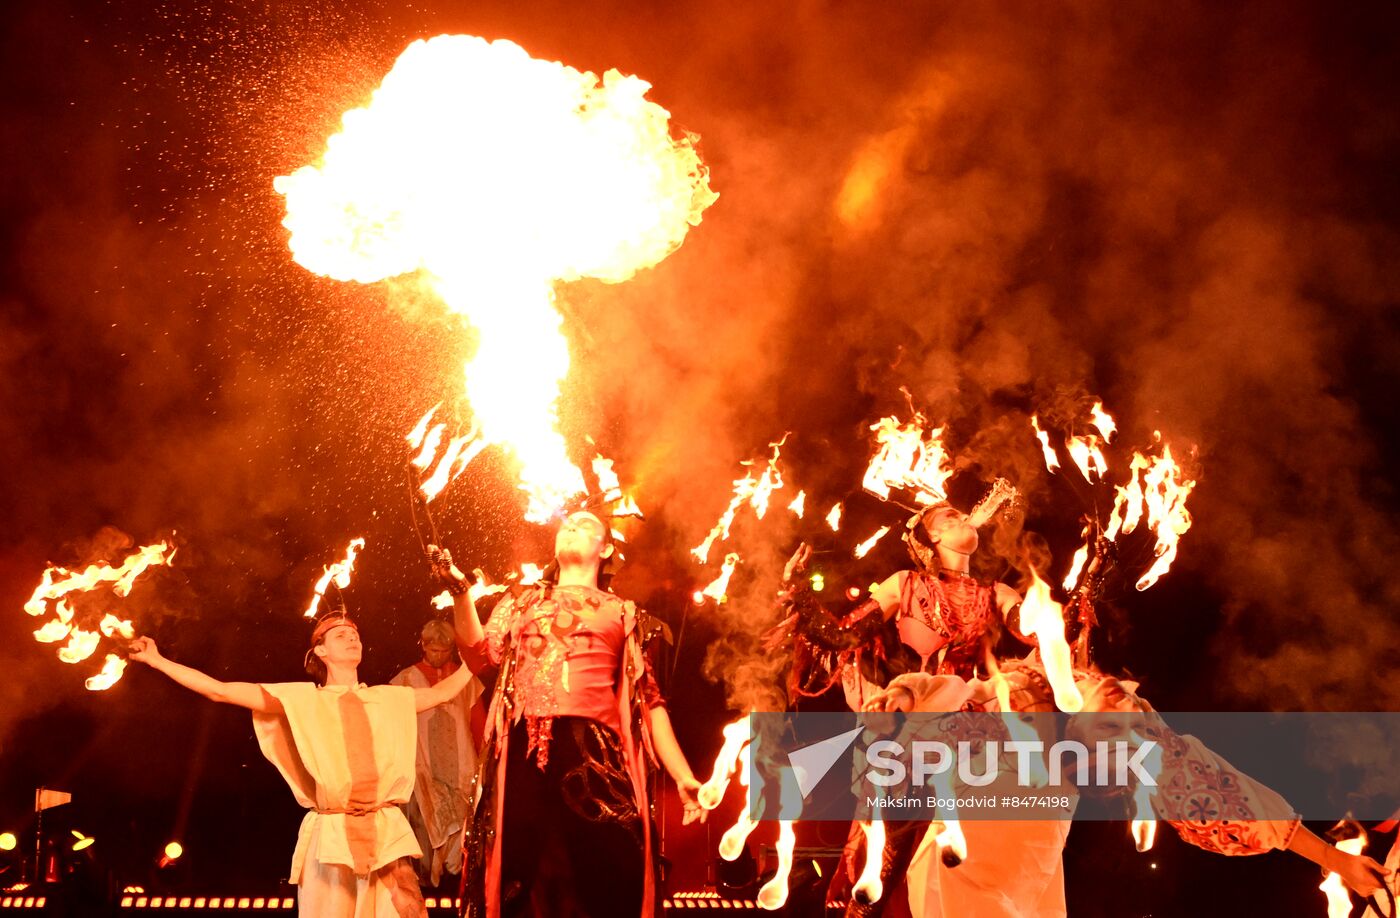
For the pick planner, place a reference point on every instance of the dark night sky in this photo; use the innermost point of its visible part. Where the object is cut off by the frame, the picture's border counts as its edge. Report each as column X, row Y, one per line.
column 1190, row 210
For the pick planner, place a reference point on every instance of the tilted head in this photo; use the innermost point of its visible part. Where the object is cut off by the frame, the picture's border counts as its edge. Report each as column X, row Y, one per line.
column 583, row 539
column 334, row 642
column 941, row 525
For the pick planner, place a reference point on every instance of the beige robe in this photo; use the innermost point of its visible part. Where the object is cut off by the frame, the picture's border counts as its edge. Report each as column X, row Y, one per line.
column 347, row 756
column 444, row 789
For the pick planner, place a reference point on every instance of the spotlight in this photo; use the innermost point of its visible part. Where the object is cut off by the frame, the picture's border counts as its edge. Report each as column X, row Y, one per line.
column 853, row 593
column 174, row 850
column 698, row 598
column 818, row 582
column 82, row 842
column 8, row 841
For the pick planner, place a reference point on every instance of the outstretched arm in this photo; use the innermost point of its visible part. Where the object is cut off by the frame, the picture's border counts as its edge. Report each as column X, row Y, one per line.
column 1358, row 871
column 244, row 694
column 668, row 750
column 444, row 691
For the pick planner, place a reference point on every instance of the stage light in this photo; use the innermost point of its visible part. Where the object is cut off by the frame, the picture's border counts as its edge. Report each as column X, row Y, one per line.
column 82, row 842
column 8, row 841
column 174, row 850
column 818, row 582
column 698, row 598
column 853, row 593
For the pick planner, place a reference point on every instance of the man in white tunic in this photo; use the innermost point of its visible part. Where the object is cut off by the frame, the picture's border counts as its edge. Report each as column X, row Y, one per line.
column 443, row 791
column 345, row 749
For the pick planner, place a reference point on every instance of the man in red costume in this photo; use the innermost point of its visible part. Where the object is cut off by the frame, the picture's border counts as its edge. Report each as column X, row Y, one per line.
column 563, row 823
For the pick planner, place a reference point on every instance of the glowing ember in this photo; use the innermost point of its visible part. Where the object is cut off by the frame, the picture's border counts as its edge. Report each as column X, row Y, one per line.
column 1052, row 462
column 112, row 669
column 1338, row 896
column 1103, row 421
column 754, row 490
column 868, row 888
column 1087, row 456
column 863, row 548
column 719, row 587
column 799, row 504
column 907, row 458
column 736, row 736
column 1081, row 557
column 1144, row 826
column 496, row 176
column 1043, row 618
column 833, row 518
column 339, row 573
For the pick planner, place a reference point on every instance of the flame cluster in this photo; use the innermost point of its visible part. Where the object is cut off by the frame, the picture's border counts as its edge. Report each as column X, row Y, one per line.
column 496, row 176
column 81, row 638
column 909, row 458
column 1157, row 489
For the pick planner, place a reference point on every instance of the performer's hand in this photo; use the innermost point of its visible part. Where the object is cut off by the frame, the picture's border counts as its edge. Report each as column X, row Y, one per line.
column 689, row 789
column 892, row 700
column 797, row 563
column 1359, row 872
column 143, row 650
column 440, row 562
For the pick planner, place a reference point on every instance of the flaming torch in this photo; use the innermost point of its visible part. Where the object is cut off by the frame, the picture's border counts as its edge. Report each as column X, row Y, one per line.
column 337, row 573
column 58, row 586
column 1144, row 826
column 1043, row 619
column 497, row 176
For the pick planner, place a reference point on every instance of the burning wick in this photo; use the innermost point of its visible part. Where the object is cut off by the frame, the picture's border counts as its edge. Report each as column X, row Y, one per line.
column 339, row 573
column 869, row 888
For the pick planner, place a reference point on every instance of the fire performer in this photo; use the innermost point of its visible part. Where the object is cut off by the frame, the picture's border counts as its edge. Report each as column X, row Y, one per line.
column 937, row 617
column 1014, row 869
column 563, row 821
column 444, row 783
column 345, row 751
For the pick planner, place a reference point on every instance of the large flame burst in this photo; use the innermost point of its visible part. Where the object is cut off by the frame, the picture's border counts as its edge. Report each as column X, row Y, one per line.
column 497, row 176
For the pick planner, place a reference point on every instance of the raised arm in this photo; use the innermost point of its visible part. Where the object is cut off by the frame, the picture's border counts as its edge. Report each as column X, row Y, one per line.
column 465, row 621
column 444, row 691
column 244, row 694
